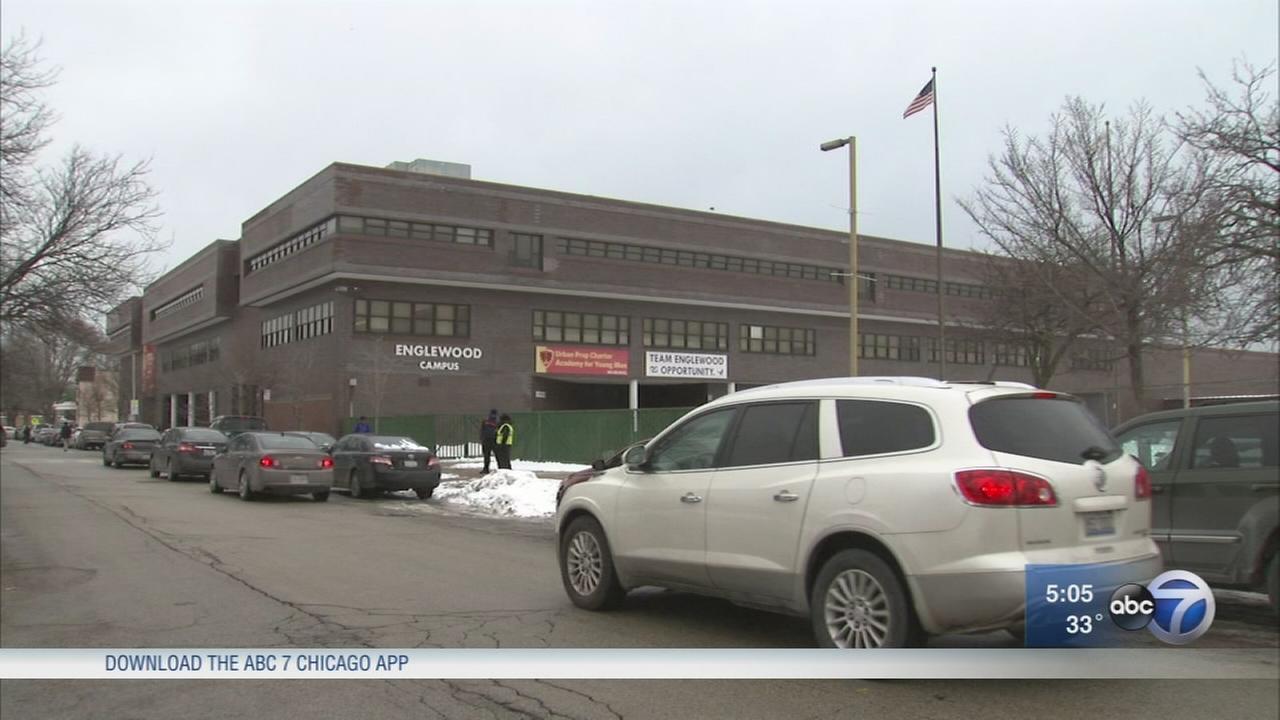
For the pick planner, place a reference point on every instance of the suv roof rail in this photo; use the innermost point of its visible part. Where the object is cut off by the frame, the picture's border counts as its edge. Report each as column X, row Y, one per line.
column 857, row 380
column 994, row 383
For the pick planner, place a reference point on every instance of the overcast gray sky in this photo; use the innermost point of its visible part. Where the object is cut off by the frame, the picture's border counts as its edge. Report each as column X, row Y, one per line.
column 690, row 104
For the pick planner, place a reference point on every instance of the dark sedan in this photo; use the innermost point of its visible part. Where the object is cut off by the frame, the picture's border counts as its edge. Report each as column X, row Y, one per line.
column 275, row 463
column 369, row 464
column 130, row 445
column 186, row 451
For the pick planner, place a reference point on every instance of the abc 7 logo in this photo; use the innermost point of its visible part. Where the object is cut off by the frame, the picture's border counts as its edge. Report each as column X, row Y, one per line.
column 1177, row 606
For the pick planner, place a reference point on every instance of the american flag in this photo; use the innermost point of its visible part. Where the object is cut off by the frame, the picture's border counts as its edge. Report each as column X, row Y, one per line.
column 922, row 100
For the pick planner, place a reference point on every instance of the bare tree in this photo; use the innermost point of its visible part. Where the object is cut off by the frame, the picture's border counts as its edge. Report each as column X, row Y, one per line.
column 38, row 370
column 1036, row 312
column 74, row 237
column 375, row 365
column 1240, row 129
column 1093, row 194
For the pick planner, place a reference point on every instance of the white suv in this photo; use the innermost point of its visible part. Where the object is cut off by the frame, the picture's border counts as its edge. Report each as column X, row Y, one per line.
column 885, row 509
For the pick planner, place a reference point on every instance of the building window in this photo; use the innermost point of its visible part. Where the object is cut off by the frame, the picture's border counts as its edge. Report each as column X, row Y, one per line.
column 186, row 299
column 685, row 258
column 313, row 321
column 1011, row 355
column 1093, row 360
column 959, row 352
column 292, row 245
column 457, row 234
column 685, row 334
column 410, row 318
column 526, row 250
column 215, row 350
column 777, row 340
column 888, row 347
column 925, row 285
column 584, row 328
column 277, row 331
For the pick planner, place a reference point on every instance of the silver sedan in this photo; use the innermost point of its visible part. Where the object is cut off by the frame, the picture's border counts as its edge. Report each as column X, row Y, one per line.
column 272, row 463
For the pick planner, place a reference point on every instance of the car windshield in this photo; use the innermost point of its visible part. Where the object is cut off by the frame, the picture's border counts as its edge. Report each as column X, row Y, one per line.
column 203, row 435
column 390, row 442
column 99, row 426
column 285, row 442
column 1050, row 429
column 139, row 434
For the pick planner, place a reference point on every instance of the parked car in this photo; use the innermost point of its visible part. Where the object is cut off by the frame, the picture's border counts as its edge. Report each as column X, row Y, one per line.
column 884, row 509
column 186, row 451
column 10, row 432
column 46, row 435
column 94, row 435
column 1215, row 475
column 266, row 462
column 129, row 445
column 324, row 441
column 368, row 464
column 232, row 425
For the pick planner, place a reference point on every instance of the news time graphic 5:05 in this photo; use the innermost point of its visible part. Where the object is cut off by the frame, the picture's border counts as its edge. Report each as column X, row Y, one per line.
column 1093, row 605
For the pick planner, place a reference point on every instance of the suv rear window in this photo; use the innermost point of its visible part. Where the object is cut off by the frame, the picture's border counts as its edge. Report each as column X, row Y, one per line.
column 242, row 423
column 286, row 442
column 139, row 434
column 100, row 426
column 1061, row 430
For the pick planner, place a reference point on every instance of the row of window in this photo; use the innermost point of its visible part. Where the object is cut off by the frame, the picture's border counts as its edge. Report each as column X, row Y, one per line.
column 925, row 285
column 186, row 299
column 197, row 353
column 457, row 234
column 302, row 324
column 295, row 244
column 412, row 318
column 687, row 258
column 1093, row 360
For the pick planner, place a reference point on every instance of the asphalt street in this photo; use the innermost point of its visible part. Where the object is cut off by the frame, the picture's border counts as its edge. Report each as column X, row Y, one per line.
column 96, row 557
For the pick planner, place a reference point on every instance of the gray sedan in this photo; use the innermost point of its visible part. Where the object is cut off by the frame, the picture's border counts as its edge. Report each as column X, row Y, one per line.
column 272, row 462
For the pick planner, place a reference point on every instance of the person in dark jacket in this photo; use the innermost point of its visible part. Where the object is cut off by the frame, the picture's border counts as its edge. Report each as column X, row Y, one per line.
column 26, row 435
column 506, row 438
column 363, row 426
column 489, row 438
column 65, row 435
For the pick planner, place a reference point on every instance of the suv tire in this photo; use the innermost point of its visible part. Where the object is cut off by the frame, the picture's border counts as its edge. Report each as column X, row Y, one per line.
column 858, row 601
column 586, row 567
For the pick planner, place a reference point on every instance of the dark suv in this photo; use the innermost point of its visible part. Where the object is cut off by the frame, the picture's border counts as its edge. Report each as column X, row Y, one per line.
column 1215, row 474
column 232, row 425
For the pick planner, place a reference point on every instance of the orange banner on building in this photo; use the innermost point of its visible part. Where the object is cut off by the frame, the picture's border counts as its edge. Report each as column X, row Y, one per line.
column 567, row 360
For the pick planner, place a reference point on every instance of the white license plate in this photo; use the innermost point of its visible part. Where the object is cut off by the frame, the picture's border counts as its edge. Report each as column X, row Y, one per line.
column 208, row 452
column 1099, row 523
column 411, row 463
column 298, row 479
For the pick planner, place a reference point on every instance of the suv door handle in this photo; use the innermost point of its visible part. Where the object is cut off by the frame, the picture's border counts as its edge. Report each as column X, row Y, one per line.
column 1157, row 489
column 691, row 498
column 786, row 496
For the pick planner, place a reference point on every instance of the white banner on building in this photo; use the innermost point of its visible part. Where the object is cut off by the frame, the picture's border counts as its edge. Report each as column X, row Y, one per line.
column 703, row 366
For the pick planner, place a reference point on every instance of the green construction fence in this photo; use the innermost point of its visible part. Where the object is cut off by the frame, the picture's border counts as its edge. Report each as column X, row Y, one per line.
column 552, row 435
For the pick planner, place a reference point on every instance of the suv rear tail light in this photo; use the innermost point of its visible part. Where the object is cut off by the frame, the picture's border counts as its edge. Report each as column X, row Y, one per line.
column 1005, row 488
column 126, row 446
column 1142, row 484
column 267, row 461
column 326, row 463
column 187, row 447
column 381, row 460
column 434, row 462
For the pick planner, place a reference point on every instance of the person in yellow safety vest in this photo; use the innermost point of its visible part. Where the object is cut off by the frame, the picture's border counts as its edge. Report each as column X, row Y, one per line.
column 506, row 438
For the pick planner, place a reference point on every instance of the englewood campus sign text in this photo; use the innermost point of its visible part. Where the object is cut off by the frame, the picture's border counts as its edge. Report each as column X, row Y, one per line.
column 442, row 357
column 686, row 365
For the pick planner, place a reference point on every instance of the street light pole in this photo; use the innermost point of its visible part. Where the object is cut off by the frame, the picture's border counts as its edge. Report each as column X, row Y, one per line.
column 854, row 278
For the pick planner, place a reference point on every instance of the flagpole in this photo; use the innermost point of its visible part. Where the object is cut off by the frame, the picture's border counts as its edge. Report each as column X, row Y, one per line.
column 937, row 204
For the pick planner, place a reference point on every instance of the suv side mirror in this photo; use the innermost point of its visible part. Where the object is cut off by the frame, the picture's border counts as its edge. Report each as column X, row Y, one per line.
column 597, row 465
column 636, row 458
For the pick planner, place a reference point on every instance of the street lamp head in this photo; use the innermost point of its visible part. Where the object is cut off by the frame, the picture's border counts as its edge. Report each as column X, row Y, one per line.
column 834, row 144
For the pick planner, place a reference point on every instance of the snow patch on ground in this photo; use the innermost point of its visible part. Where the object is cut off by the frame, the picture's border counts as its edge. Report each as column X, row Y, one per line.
column 511, row 493
column 532, row 466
